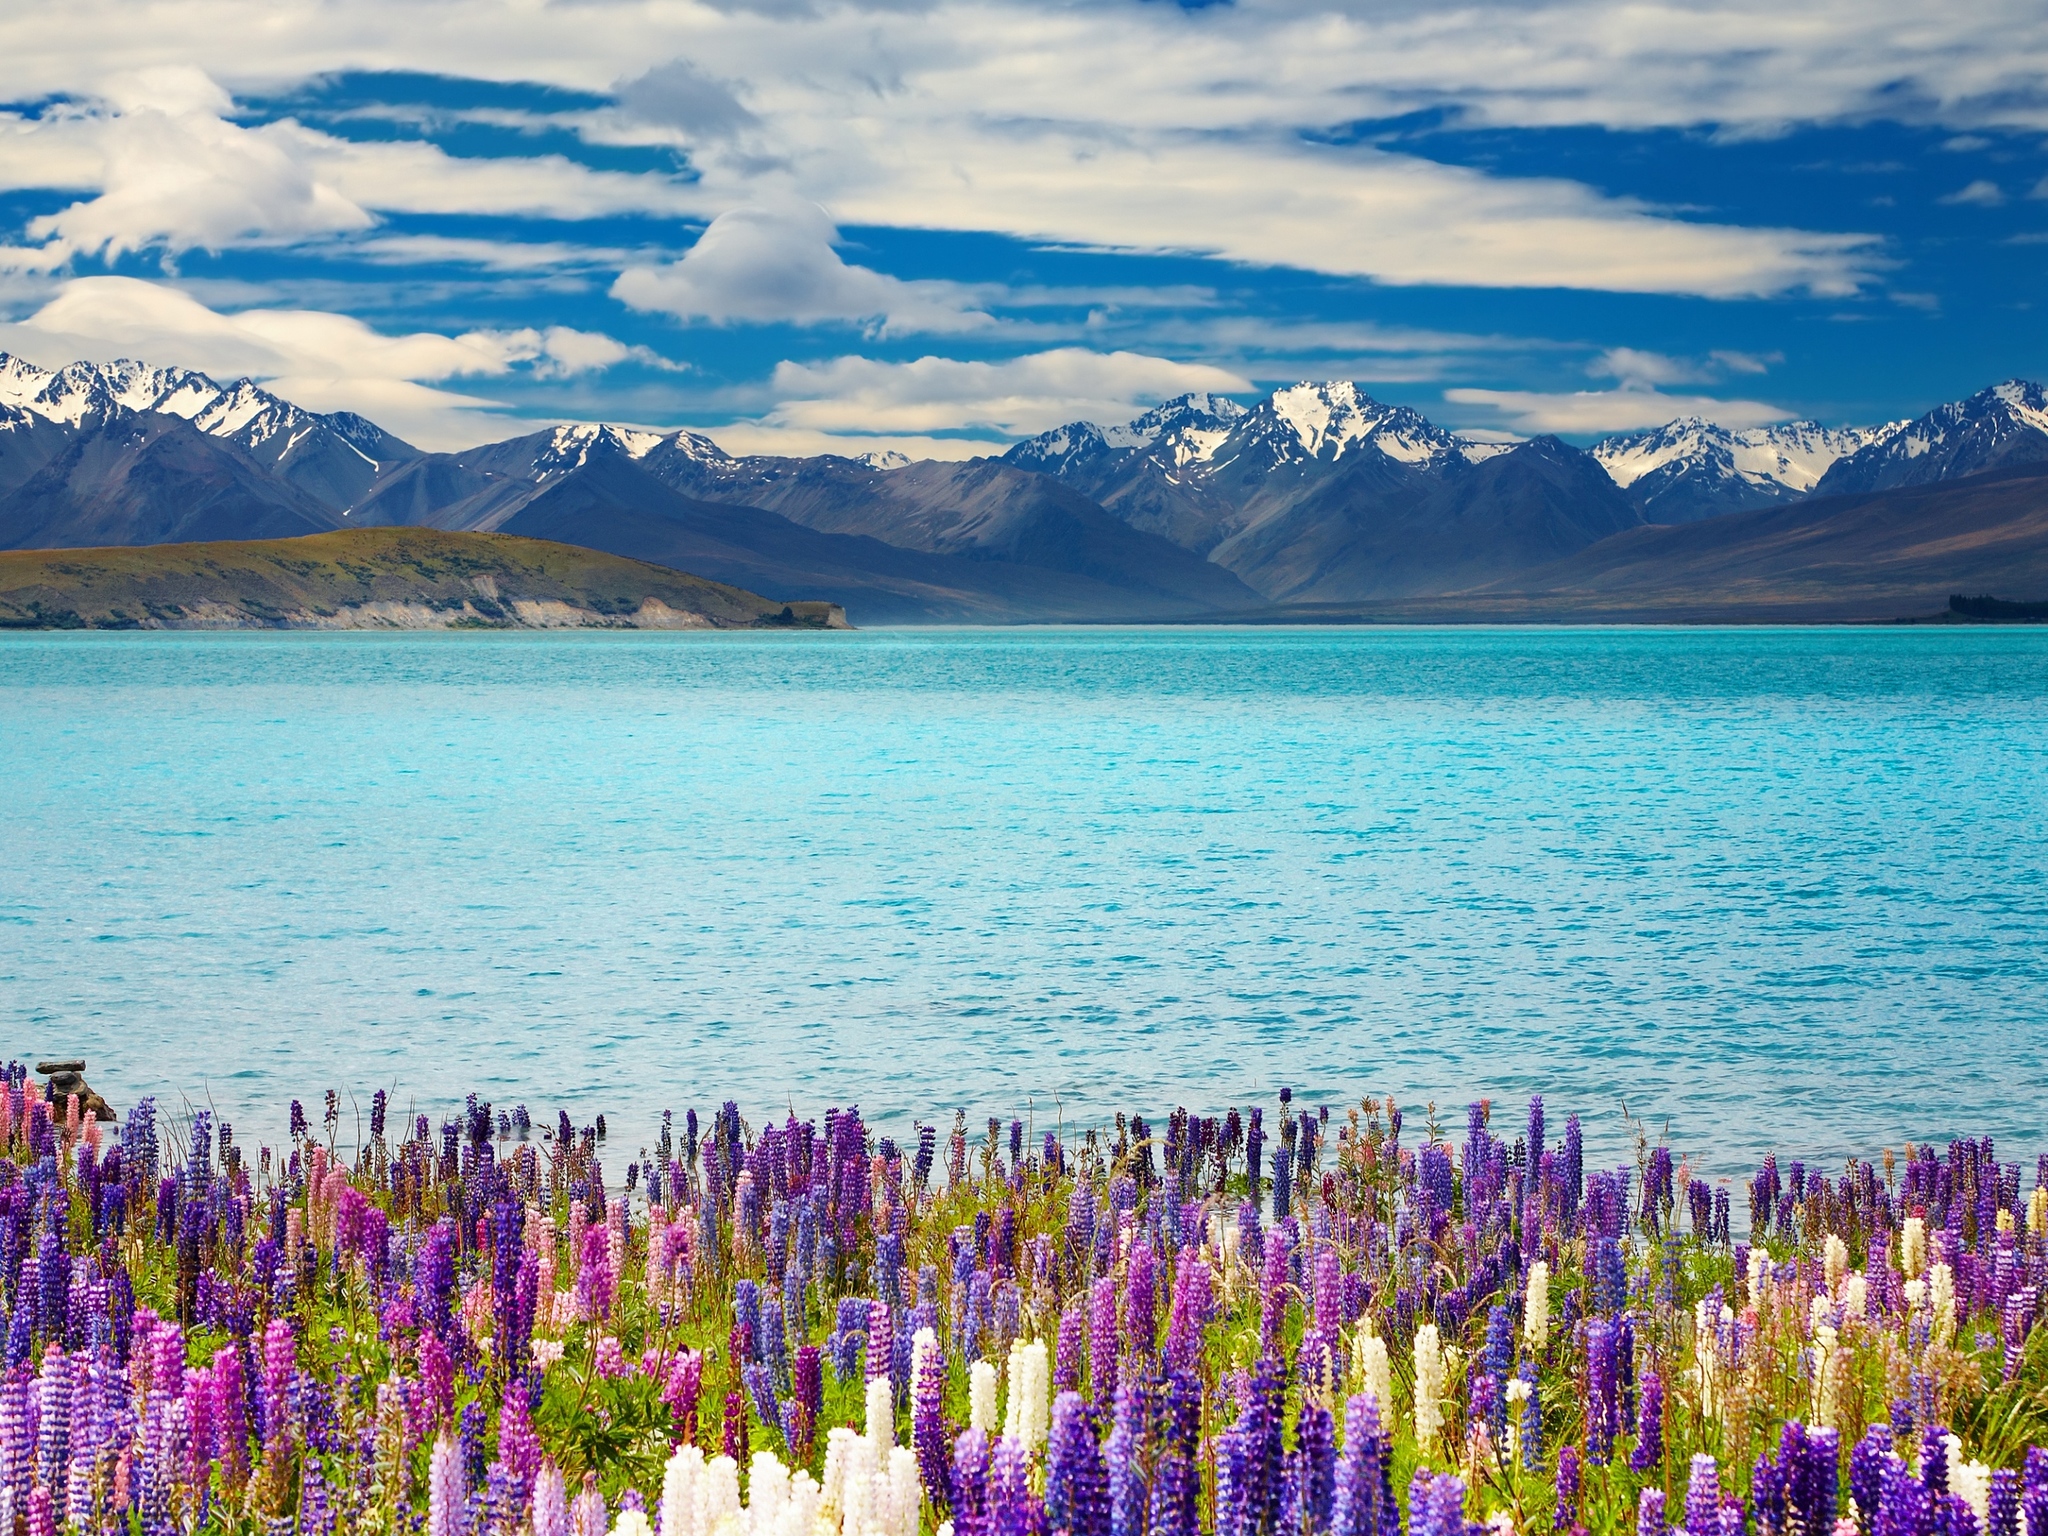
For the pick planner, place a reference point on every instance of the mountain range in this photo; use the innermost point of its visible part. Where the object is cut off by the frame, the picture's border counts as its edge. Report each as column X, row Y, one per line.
column 1316, row 495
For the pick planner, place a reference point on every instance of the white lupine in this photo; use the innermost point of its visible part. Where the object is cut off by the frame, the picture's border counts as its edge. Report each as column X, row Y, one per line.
column 1536, row 1307
column 681, row 1508
column 767, row 1492
column 981, row 1397
column 721, row 1493
column 1027, row 1414
column 881, row 1416
column 631, row 1522
column 1856, row 1296
column 1941, row 1300
column 1429, row 1387
column 842, row 1446
column 1913, row 1246
column 1759, row 1267
column 1706, row 1346
column 2037, row 1210
column 1374, row 1375
column 1829, row 1366
column 1835, row 1262
column 1970, row 1481
column 906, row 1491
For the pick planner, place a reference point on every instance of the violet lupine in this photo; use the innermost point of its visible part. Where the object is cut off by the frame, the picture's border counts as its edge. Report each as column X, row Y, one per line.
column 1066, row 1370
column 970, row 1483
column 1193, row 1307
column 1650, row 1512
column 1436, row 1504
column 1102, row 1364
column 597, row 1280
column 1120, row 1454
column 587, row 1513
column 550, row 1502
column 1567, row 1489
column 1649, row 1447
column 1076, row 1482
column 928, row 1420
column 1364, row 1496
column 1602, row 1409
column 1014, row 1509
column 1316, row 1461
column 1140, row 1319
column 1703, row 1496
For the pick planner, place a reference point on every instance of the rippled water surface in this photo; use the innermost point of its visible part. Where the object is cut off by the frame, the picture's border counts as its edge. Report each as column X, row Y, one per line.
column 1771, row 887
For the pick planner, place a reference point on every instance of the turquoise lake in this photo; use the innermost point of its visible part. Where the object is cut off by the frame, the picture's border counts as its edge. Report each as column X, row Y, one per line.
column 1764, row 887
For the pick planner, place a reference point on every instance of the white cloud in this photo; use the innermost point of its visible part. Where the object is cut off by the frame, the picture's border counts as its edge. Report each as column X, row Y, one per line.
column 1007, row 399
column 1611, row 410
column 1978, row 194
column 1100, row 125
column 775, row 263
column 319, row 360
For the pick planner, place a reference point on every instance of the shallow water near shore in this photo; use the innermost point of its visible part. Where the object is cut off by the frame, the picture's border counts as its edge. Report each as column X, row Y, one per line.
column 1765, row 887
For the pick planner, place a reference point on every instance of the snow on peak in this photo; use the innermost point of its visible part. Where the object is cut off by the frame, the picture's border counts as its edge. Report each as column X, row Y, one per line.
column 20, row 380
column 884, row 459
column 570, row 445
column 696, row 446
column 1792, row 456
column 1329, row 419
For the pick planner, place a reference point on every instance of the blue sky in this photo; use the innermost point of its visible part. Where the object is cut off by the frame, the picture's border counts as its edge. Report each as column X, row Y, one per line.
column 937, row 227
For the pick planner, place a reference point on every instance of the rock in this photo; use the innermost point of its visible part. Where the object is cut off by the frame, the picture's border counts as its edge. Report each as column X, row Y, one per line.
column 67, row 1078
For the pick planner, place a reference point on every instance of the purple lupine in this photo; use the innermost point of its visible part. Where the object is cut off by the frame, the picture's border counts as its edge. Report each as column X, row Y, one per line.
column 1866, row 1474
column 928, row 1428
column 1436, row 1504
column 53, row 1411
column 280, row 1359
column 1140, row 1320
column 1650, row 1512
column 1066, row 1370
column 1193, row 1306
column 1076, row 1483
column 1602, row 1410
column 1649, row 1448
column 1102, row 1381
column 970, row 1484
column 1120, row 1456
column 735, row 1440
column 1315, row 1456
column 1703, row 1495
column 1566, row 1515
column 1014, row 1508
column 2002, row 1510
column 1364, row 1502
column 808, row 1395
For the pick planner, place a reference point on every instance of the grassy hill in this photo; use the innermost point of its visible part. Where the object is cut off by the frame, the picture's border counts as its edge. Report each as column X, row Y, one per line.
column 376, row 578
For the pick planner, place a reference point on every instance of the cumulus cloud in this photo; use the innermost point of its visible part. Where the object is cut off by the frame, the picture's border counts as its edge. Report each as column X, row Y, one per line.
column 1008, row 399
column 1978, row 194
column 1584, row 412
column 319, row 360
column 776, row 263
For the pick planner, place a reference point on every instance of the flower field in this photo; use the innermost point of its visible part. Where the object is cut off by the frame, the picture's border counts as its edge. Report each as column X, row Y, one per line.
column 1275, row 1322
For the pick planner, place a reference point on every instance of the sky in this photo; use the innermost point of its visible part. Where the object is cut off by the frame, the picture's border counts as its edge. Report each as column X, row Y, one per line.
column 808, row 226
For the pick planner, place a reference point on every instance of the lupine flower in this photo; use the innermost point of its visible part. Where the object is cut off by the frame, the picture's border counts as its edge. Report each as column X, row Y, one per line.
column 1649, row 1448
column 1076, row 1482
column 1429, row 1387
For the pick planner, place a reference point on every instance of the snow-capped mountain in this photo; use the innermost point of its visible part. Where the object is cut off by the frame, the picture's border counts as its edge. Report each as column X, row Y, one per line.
column 1692, row 468
column 333, row 458
column 2004, row 425
column 1201, row 468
